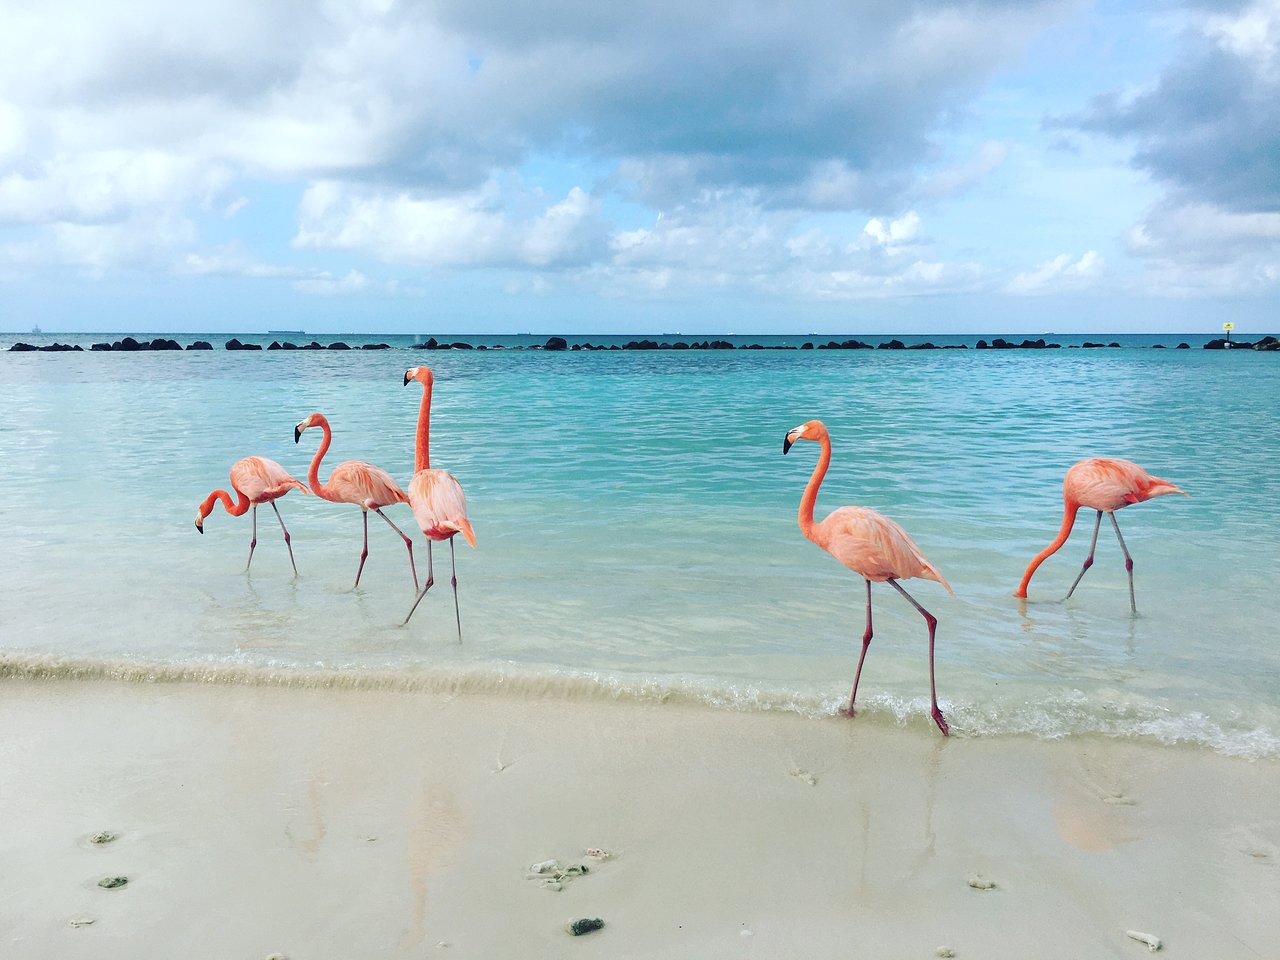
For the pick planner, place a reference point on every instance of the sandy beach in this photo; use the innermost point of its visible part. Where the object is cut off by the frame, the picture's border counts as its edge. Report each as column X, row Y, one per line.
column 254, row 821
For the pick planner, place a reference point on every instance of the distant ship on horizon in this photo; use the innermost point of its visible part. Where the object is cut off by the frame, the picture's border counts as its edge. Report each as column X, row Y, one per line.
column 296, row 333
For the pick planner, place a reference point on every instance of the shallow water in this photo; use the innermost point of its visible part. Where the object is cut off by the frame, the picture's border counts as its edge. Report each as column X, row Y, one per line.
column 637, row 533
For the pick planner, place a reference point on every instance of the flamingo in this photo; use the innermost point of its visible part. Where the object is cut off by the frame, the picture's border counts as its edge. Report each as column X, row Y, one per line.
column 354, row 481
column 435, row 497
column 869, row 544
column 1104, row 484
column 255, row 480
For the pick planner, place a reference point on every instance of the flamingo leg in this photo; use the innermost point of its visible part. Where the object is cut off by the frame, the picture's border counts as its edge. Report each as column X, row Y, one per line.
column 407, row 542
column 1128, row 563
column 866, row 642
column 364, row 551
column 454, row 580
column 1088, row 561
column 427, row 586
column 282, row 527
column 932, row 621
column 253, row 538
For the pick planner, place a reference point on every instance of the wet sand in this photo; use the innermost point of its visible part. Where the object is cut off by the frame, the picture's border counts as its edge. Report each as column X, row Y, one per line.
column 253, row 821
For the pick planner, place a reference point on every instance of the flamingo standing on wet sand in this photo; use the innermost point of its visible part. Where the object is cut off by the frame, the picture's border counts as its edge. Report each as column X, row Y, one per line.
column 435, row 497
column 255, row 480
column 869, row 544
column 1104, row 484
column 358, row 482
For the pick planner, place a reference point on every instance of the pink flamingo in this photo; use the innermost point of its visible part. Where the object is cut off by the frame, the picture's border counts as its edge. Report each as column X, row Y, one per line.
column 435, row 497
column 255, row 480
column 1104, row 484
column 354, row 481
column 869, row 544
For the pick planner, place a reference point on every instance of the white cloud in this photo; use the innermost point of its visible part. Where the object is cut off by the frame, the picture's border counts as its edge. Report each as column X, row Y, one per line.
column 468, row 229
column 326, row 285
column 1200, row 250
column 1062, row 274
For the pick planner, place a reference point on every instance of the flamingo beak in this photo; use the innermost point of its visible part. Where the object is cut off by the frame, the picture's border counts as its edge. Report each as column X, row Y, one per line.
column 297, row 433
column 407, row 378
column 786, row 443
column 199, row 527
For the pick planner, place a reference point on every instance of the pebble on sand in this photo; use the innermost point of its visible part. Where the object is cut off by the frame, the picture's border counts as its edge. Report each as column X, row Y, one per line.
column 110, row 883
column 102, row 836
column 978, row 883
column 578, row 927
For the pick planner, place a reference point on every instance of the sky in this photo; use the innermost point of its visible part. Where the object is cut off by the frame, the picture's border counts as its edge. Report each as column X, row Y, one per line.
column 578, row 166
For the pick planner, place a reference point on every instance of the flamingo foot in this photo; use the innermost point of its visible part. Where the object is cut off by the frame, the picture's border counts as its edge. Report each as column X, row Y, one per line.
column 941, row 721
column 848, row 711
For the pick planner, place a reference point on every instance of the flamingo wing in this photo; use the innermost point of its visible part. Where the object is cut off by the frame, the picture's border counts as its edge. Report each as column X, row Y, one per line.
column 439, row 505
column 355, row 481
column 875, row 547
column 262, row 479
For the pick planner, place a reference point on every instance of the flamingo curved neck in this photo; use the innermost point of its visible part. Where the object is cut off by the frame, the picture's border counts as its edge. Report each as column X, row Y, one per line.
column 313, row 474
column 422, row 451
column 810, row 497
column 1070, row 510
column 236, row 509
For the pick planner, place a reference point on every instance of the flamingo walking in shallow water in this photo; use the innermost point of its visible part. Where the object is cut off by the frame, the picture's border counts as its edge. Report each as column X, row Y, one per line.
column 869, row 544
column 435, row 497
column 358, row 482
column 255, row 480
column 1105, row 484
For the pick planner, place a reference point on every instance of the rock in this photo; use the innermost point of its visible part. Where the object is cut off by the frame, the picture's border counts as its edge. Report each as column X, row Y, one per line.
column 201, row 345
column 274, row 345
column 375, row 346
column 107, row 346
column 161, row 343
column 23, row 348
column 556, row 343
column 111, row 883
column 128, row 343
column 806, row 346
column 234, row 344
column 578, row 927
column 338, row 345
column 892, row 345
column 102, row 836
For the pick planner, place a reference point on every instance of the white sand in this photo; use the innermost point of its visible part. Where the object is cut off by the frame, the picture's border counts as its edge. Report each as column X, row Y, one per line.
column 352, row 824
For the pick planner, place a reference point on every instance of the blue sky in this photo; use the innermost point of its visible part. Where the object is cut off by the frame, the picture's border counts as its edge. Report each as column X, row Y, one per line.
column 571, row 166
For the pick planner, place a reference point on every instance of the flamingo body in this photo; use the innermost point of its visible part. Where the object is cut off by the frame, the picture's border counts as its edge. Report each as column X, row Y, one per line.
column 1104, row 484
column 255, row 480
column 355, row 481
column 872, row 546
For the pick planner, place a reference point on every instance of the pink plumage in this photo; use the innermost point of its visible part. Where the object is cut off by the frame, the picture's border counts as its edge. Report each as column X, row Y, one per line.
column 255, row 480
column 869, row 544
column 355, row 482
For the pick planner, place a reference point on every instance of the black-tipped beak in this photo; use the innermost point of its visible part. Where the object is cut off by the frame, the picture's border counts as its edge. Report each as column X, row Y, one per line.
column 786, row 443
column 297, row 434
column 407, row 378
column 199, row 528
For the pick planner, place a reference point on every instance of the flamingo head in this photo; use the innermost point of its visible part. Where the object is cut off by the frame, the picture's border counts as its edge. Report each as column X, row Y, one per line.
column 312, row 421
column 201, row 513
column 810, row 430
column 422, row 374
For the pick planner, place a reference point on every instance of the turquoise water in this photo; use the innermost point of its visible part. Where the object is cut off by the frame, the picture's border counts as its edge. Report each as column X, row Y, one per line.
column 637, row 532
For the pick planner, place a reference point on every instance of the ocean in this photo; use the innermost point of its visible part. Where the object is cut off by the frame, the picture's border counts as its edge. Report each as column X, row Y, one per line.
column 636, row 526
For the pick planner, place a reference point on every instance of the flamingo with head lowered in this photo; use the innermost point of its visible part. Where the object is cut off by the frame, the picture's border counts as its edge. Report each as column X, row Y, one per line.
column 1105, row 484
column 435, row 497
column 354, row 481
column 869, row 544
column 255, row 480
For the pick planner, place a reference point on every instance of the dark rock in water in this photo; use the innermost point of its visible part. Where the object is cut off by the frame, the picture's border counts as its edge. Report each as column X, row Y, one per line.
column 201, row 345
column 1267, row 343
column 128, row 343
column 578, row 927
column 107, row 346
column 338, row 345
column 60, row 348
column 892, row 345
column 234, row 344
column 1113, row 344
column 274, row 345
column 806, row 346
column 23, row 348
column 375, row 346
column 161, row 343
column 1183, row 346
column 1089, row 344
column 556, row 343
column 460, row 345
column 1157, row 346
column 313, row 345
column 923, row 346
